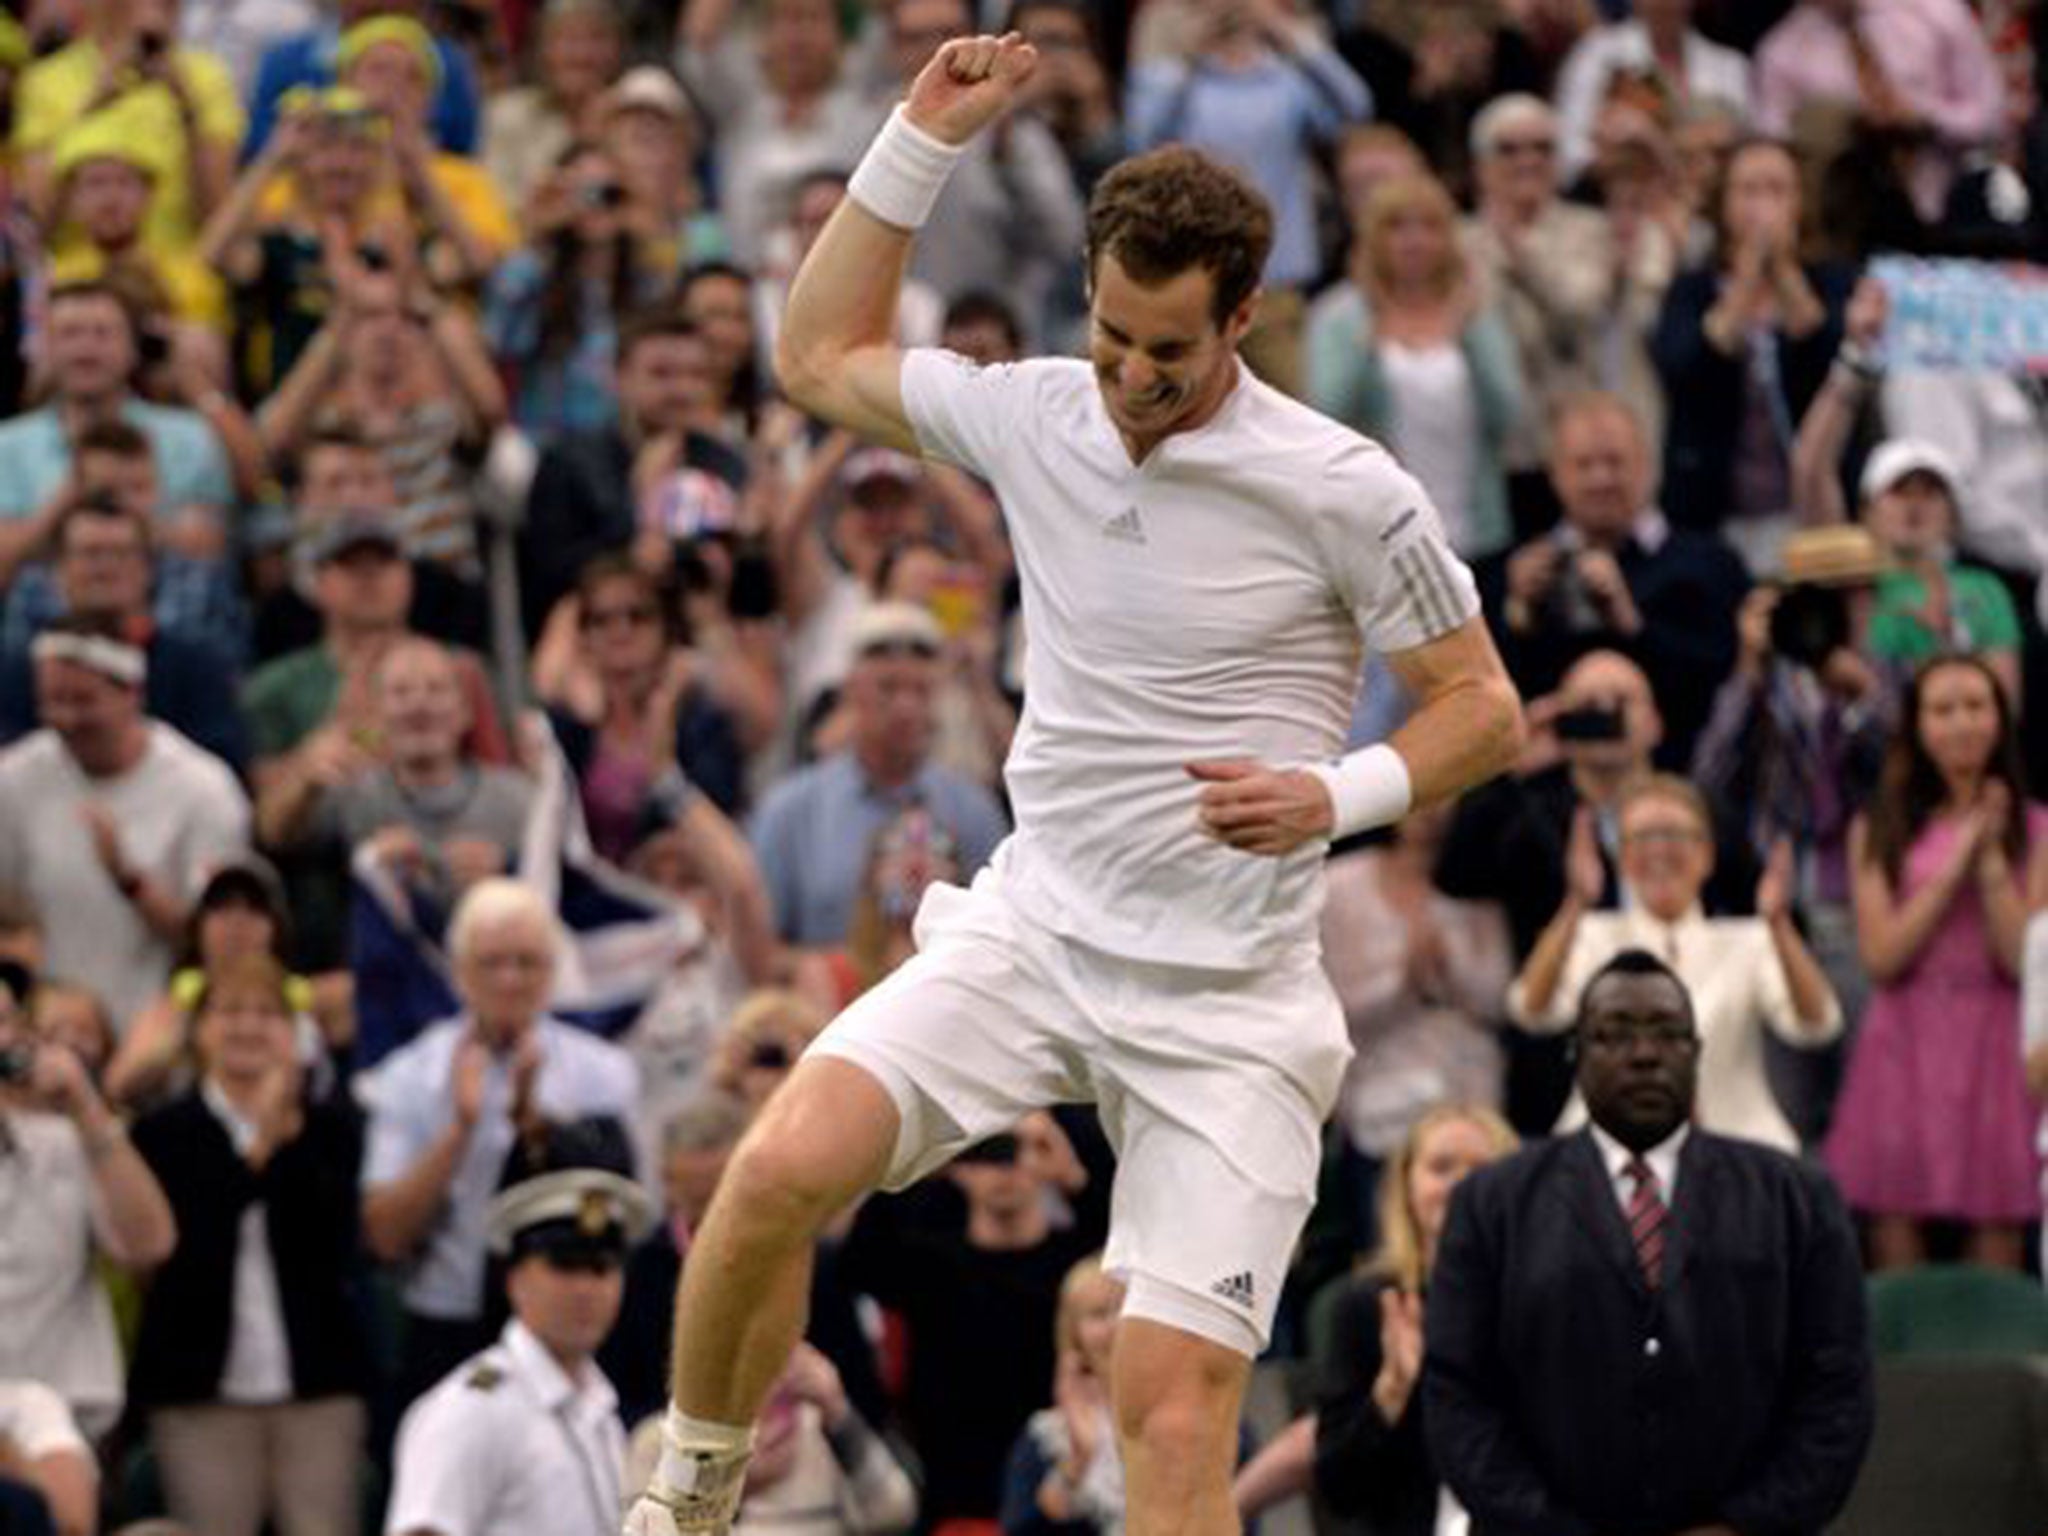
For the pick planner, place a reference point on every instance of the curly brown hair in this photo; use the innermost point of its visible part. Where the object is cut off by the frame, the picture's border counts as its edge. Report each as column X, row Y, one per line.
column 1173, row 209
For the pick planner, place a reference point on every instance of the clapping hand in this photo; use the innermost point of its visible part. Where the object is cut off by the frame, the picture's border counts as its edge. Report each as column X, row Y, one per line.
column 1585, row 871
column 280, row 1112
column 1990, row 819
column 1774, row 890
column 106, row 841
column 813, row 1378
column 1080, row 1398
column 1400, row 1353
column 469, row 1076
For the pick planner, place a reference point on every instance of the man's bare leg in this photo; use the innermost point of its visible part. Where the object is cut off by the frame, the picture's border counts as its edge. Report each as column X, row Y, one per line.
column 824, row 1138
column 1178, row 1398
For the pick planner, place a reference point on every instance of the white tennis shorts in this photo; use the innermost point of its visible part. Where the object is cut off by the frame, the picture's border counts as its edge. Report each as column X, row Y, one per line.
column 1213, row 1085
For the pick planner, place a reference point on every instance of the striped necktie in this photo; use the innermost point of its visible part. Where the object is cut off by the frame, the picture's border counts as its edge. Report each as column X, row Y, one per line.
column 1647, row 1215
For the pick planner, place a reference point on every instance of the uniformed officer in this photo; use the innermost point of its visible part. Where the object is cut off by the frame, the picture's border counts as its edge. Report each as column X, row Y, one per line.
column 524, row 1438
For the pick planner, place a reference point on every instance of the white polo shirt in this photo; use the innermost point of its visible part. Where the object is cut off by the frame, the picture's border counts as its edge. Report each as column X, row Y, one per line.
column 1211, row 602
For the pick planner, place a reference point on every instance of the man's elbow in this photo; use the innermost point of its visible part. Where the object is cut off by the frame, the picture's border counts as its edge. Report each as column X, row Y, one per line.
column 1504, row 728
column 149, row 1245
column 800, row 374
column 384, row 1234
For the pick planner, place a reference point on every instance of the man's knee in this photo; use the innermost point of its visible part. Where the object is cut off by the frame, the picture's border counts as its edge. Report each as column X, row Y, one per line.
column 823, row 1139
column 1178, row 1395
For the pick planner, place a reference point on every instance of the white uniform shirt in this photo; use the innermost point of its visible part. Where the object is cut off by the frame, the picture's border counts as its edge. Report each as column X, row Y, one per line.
column 508, row 1445
column 1207, row 603
column 411, row 1098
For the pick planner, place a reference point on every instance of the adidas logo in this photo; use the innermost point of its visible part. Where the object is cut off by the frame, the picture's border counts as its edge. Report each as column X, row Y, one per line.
column 1235, row 1288
column 1125, row 526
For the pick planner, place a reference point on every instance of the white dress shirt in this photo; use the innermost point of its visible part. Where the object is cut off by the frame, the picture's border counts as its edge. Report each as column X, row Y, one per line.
column 1662, row 1160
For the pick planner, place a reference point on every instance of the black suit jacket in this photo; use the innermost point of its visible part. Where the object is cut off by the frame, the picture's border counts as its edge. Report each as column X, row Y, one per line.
column 1564, row 1397
column 1377, row 1472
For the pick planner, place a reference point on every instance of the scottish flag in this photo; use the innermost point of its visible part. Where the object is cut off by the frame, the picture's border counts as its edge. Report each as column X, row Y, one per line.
column 624, row 935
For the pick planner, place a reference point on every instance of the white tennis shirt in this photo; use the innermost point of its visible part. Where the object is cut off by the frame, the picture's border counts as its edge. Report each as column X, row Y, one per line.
column 1212, row 602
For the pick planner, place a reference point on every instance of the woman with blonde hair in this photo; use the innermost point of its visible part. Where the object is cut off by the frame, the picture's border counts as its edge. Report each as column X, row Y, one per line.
column 769, row 1030
column 1064, row 1473
column 1405, row 352
column 1363, row 1446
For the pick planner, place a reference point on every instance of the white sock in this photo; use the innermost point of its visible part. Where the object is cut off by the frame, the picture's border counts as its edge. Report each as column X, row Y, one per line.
column 690, row 1446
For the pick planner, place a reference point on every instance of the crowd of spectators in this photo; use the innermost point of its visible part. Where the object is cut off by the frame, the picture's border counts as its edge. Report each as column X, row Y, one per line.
column 392, row 470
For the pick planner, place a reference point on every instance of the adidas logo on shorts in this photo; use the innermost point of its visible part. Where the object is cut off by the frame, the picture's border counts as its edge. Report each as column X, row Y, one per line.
column 1236, row 1289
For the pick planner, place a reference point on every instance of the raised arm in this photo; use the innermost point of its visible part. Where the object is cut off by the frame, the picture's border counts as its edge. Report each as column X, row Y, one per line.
column 835, row 356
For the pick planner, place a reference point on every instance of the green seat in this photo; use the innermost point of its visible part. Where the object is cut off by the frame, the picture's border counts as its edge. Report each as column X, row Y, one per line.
column 1957, row 1309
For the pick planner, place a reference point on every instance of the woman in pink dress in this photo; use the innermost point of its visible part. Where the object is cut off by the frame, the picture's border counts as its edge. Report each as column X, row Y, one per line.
column 1935, row 1122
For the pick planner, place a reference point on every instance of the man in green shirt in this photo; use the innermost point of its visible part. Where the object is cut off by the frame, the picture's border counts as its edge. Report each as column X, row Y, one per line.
column 1927, row 604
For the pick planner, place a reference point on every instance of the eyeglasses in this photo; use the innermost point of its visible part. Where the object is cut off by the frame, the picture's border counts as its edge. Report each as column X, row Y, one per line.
column 1525, row 147
column 620, row 618
column 525, row 961
column 1663, row 837
column 1666, row 1034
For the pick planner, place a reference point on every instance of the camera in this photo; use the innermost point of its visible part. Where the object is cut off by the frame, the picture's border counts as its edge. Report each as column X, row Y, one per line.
column 1809, row 623
column 603, row 194
column 373, row 257
column 151, row 46
column 1000, row 1150
column 1594, row 722
column 16, row 1062
column 1569, row 605
column 769, row 1056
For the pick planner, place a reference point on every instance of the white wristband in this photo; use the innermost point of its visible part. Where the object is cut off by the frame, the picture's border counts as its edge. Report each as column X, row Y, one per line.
column 1369, row 788
column 899, row 178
